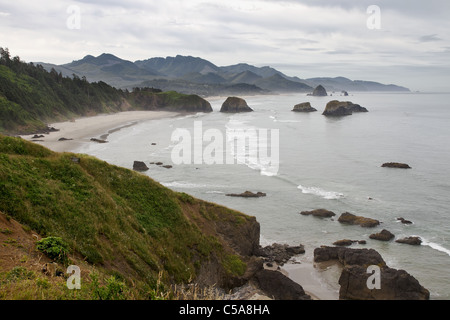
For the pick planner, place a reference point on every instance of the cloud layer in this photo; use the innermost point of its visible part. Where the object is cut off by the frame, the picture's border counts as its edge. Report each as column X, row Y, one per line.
column 303, row 38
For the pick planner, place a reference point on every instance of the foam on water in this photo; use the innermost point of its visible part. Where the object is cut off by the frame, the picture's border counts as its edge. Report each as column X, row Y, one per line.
column 329, row 195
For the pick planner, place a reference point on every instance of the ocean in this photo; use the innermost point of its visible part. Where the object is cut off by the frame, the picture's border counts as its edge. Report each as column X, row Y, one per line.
column 320, row 162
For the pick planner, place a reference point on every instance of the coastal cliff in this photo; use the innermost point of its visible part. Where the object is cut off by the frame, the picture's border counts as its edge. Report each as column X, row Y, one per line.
column 115, row 222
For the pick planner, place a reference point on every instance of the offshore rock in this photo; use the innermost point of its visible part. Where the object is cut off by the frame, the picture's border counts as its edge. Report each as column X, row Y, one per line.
column 414, row 241
column 235, row 105
column 140, row 166
column 396, row 165
column 319, row 91
column 342, row 108
column 321, row 213
column 247, row 194
column 349, row 218
column 304, row 107
column 384, row 235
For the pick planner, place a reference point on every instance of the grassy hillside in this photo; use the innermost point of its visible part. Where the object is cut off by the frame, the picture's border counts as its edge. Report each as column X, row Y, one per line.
column 30, row 97
column 115, row 220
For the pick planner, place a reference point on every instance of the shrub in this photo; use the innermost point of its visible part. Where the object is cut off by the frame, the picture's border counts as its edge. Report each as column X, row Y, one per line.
column 55, row 248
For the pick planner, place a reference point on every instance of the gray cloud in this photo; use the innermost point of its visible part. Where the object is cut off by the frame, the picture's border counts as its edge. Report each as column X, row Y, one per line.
column 259, row 32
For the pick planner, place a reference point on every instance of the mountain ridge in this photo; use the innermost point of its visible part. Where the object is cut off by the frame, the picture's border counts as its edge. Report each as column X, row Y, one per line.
column 125, row 74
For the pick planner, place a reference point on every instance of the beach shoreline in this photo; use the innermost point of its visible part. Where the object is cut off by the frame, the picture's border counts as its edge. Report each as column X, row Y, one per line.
column 79, row 131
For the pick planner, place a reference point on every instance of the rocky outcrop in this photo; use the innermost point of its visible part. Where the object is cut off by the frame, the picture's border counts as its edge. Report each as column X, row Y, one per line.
column 98, row 140
column 394, row 285
column 384, row 235
column 414, row 241
column 396, row 165
column 354, row 279
column 321, row 213
column 342, row 108
column 279, row 253
column 349, row 218
column 140, row 166
column 319, row 91
column 279, row 287
column 347, row 242
column 347, row 256
column 247, row 194
column 235, row 105
column 304, row 107
column 404, row 221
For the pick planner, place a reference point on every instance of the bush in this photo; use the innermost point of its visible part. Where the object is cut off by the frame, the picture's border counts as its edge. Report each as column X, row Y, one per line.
column 55, row 248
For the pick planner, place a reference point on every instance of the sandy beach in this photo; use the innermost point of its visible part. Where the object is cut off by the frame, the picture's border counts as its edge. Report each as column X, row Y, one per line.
column 83, row 129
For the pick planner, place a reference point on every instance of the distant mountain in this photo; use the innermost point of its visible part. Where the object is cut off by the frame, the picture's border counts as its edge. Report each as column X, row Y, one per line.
column 279, row 83
column 178, row 66
column 341, row 83
column 193, row 75
column 108, row 68
column 244, row 77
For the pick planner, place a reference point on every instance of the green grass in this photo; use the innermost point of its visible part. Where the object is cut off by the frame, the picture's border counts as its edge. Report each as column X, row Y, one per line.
column 116, row 219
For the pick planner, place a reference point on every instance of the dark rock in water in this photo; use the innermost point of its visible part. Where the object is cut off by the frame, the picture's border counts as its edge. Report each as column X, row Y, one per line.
column 98, row 140
column 279, row 287
column 247, row 194
column 319, row 91
column 159, row 163
column 348, row 256
column 404, row 221
column 140, row 166
column 304, row 107
column 345, row 93
column 343, row 243
column 384, row 235
column 349, row 218
column 347, row 242
column 279, row 253
column 38, row 136
column 167, row 166
column 342, row 108
column 64, row 139
column 394, row 285
column 353, row 107
column 414, row 241
column 322, row 213
column 235, row 105
column 354, row 279
column 396, row 165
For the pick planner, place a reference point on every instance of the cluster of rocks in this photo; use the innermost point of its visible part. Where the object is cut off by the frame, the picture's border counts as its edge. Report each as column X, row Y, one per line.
column 394, row 284
column 351, row 219
column 279, row 253
column 333, row 108
column 142, row 166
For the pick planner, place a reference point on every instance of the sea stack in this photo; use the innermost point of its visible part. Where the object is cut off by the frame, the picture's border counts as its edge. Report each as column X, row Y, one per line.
column 342, row 108
column 235, row 105
column 304, row 107
column 319, row 91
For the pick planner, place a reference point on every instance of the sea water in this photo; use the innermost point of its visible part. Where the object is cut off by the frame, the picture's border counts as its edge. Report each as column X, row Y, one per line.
column 330, row 163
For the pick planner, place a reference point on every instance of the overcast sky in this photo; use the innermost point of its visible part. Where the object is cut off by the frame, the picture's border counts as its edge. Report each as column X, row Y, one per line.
column 408, row 43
